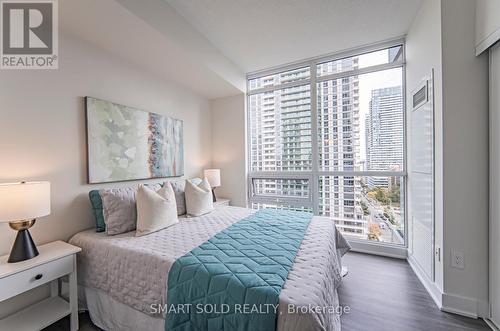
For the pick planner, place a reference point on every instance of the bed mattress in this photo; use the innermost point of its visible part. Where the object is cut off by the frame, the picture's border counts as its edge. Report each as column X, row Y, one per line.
column 134, row 270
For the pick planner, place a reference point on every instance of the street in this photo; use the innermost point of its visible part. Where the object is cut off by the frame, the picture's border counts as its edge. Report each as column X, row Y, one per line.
column 388, row 230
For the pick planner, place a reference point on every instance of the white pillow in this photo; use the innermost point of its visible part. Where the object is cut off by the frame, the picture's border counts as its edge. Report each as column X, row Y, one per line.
column 198, row 198
column 179, row 187
column 155, row 210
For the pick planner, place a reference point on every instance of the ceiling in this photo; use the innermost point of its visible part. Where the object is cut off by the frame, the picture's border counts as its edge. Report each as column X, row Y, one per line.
column 151, row 35
column 259, row 34
column 209, row 45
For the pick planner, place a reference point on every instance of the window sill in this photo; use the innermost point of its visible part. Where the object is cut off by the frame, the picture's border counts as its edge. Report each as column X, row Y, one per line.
column 382, row 249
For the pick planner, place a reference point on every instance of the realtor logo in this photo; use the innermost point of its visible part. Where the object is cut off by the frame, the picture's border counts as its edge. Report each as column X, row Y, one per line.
column 29, row 38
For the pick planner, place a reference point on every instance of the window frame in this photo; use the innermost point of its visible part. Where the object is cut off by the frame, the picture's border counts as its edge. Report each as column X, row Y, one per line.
column 315, row 173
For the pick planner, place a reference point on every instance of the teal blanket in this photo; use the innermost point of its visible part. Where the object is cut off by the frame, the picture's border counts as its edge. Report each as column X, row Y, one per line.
column 233, row 281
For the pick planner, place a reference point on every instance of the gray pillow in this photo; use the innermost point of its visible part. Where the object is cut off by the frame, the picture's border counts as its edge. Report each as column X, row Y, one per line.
column 119, row 209
column 179, row 187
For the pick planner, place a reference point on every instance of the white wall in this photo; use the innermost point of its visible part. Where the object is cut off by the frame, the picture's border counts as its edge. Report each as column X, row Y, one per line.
column 423, row 53
column 443, row 37
column 228, row 147
column 465, row 160
column 487, row 24
column 42, row 128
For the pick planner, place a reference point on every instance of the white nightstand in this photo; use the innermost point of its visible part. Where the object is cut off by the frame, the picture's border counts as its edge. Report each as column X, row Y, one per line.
column 56, row 259
column 222, row 202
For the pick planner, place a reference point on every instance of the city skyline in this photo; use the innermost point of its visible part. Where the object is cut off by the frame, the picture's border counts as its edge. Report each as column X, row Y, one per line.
column 280, row 131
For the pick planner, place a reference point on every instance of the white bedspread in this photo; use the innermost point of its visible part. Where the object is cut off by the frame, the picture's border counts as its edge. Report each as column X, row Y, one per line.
column 134, row 270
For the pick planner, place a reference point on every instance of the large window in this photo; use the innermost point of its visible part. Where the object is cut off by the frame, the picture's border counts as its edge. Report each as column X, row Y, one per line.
column 328, row 136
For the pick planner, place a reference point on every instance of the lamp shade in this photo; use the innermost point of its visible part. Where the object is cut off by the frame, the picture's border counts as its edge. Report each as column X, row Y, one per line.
column 24, row 201
column 213, row 176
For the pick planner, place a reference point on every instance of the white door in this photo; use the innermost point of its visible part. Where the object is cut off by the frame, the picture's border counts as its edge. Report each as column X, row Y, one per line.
column 494, row 255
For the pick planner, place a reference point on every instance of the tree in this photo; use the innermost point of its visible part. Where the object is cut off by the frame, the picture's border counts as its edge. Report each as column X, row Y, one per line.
column 374, row 231
column 395, row 194
column 381, row 195
column 366, row 211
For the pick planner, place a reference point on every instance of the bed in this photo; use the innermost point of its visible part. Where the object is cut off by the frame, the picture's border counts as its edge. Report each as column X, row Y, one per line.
column 122, row 278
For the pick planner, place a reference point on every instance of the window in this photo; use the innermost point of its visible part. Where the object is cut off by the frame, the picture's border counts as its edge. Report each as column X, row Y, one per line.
column 328, row 136
column 280, row 132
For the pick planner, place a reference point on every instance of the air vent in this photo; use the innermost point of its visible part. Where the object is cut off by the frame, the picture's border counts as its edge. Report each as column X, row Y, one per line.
column 420, row 97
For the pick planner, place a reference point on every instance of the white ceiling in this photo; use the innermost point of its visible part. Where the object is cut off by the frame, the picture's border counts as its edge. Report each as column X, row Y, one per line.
column 259, row 34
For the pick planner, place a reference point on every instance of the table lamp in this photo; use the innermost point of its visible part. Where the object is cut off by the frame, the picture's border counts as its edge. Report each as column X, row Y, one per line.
column 20, row 204
column 213, row 176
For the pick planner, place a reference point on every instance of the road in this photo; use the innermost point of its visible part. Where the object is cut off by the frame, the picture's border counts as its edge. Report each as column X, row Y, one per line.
column 389, row 233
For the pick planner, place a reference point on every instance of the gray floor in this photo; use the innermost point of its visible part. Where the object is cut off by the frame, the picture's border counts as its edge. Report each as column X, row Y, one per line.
column 63, row 325
column 382, row 294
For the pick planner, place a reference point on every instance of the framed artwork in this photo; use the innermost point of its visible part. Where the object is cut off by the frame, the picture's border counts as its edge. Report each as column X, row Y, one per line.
column 125, row 143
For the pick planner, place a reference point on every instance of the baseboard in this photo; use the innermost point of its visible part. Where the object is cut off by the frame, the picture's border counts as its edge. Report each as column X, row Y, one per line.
column 459, row 305
column 483, row 309
column 429, row 285
column 465, row 306
column 447, row 302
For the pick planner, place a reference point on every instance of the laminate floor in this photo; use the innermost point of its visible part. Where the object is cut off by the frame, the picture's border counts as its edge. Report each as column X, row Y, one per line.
column 382, row 294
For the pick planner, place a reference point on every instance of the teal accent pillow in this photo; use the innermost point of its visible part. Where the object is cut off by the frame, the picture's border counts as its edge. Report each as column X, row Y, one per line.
column 96, row 202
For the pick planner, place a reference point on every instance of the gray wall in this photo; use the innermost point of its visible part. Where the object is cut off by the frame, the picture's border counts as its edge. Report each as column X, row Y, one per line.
column 465, row 160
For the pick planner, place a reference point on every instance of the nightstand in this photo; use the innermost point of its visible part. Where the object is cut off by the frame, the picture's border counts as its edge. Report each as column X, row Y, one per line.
column 56, row 259
column 222, row 202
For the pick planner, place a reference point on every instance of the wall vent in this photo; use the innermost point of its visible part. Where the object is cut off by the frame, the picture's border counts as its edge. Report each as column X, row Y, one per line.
column 420, row 96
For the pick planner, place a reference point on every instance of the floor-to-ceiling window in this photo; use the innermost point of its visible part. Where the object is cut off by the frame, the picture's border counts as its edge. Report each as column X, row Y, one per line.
column 328, row 136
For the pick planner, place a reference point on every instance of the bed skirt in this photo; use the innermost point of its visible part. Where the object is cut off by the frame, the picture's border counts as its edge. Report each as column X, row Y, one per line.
column 112, row 315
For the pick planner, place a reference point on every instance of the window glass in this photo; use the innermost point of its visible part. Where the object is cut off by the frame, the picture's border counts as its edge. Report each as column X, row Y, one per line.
column 280, row 129
column 369, row 208
column 361, row 122
column 281, row 187
column 384, row 56
column 280, row 78
column 280, row 207
column 359, row 127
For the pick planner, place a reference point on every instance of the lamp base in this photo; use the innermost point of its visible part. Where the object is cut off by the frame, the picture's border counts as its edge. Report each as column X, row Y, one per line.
column 24, row 247
column 214, row 198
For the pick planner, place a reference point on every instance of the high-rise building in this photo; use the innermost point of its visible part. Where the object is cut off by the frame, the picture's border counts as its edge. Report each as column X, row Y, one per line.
column 281, row 141
column 313, row 159
column 281, row 133
column 339, row 144
column 384, row 134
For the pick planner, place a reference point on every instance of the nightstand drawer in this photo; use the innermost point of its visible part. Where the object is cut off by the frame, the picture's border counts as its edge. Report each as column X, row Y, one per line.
column 25, row 280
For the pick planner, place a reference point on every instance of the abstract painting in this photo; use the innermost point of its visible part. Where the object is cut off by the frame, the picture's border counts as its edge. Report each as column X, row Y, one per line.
column 125, row 143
